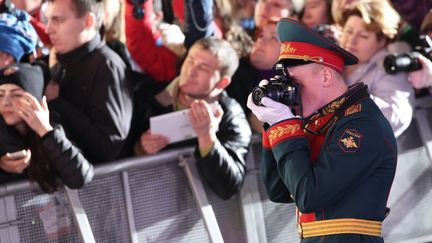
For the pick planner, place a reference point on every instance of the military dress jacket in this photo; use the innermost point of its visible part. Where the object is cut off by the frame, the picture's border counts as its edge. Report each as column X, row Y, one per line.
column 337, row 166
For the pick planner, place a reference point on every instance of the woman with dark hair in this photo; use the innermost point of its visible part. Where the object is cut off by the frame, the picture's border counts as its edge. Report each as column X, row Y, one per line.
column 48, row 154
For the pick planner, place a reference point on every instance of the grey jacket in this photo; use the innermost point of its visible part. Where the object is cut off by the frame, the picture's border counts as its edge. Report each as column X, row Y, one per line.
column 393, row 94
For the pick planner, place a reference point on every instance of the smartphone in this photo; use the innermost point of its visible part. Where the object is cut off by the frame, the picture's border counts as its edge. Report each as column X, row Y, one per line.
column 17, row 155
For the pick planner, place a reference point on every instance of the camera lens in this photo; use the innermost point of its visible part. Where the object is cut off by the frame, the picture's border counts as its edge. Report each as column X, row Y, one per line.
column 406, row 62
column 257, row 94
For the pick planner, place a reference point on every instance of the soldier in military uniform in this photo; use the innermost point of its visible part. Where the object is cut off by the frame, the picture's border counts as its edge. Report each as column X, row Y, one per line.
column 336, row 160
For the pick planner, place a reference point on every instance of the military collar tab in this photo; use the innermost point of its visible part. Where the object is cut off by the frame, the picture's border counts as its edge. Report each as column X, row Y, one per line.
column 338, row 102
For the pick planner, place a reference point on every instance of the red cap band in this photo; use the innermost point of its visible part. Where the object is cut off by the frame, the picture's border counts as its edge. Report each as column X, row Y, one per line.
column 309, row 52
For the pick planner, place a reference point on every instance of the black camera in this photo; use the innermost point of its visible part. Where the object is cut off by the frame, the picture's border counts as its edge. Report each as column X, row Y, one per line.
column 408, row 62
column 281, row 88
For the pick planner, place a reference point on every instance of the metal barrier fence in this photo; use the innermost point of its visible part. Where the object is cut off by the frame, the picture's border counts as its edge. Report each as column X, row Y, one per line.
column 161, row 199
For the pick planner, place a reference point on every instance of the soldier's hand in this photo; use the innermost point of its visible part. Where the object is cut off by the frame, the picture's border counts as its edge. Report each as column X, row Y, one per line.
column 271, row 111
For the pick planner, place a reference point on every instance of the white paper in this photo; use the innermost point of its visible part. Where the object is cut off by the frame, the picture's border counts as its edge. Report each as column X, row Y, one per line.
column 176, row 125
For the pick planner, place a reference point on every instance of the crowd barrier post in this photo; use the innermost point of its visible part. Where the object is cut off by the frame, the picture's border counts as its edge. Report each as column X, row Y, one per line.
column 129, row 209
column 201, row 200
column 79, row 216
column 252, row 210
column 8, row 220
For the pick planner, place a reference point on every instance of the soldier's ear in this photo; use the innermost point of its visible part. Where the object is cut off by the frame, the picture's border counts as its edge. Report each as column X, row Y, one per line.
column 327, row 76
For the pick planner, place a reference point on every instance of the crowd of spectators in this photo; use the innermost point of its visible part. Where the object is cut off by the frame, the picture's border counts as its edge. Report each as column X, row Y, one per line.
column 113, row 64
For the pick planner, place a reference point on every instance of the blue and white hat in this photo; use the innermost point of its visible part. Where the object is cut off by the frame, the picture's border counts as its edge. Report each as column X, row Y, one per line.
column 17, row 35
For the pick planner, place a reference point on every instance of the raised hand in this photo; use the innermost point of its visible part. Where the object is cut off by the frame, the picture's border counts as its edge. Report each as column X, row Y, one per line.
column 35, row 114
column 204, row 122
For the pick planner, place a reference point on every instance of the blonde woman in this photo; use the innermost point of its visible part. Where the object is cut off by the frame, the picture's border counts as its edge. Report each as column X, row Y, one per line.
column 368, row 28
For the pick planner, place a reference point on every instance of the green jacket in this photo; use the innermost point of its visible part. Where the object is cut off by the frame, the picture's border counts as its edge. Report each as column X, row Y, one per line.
column 337, row 164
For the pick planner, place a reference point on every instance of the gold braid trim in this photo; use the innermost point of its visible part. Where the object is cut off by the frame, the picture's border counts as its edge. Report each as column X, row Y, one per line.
column 282, row 130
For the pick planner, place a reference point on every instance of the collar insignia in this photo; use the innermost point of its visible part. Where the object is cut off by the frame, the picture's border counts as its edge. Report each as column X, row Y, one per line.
column 353, row 109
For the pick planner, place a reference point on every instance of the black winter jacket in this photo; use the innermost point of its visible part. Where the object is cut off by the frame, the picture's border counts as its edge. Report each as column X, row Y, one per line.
column 69, row 165
column 224, row 167
column 95, row 102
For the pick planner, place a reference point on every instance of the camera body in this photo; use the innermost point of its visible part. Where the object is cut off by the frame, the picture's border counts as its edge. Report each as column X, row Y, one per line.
column 407, row 62
column 281, row 88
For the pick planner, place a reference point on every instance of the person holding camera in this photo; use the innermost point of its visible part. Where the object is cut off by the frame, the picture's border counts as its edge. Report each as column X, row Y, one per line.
column 333, row 151
column 422, row 78
column 47, row 153
column 368, row 28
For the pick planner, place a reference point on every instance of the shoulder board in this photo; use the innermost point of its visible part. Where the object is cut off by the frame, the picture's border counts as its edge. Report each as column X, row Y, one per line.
column 352, row 109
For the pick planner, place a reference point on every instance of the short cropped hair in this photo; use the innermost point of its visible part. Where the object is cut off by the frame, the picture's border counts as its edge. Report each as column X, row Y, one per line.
column 225, row 53
column 82, row 7
column 378, row 15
